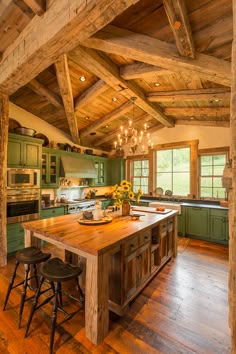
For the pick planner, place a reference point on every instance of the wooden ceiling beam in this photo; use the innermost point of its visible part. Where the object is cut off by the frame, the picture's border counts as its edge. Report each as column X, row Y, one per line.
column 58, row 31
column 140, row 71
column 217, row 93
column 197, row 111
column 43, row 91
column 63, row 78
column 152, row 51
column 179, row 22
column 206, row 123
column 92, row 92
column 107, row 118
column 108, row 71
column 37, row 6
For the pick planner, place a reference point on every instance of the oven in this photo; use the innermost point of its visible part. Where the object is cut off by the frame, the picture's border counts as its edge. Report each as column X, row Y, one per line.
column 23, row 178
column 22, row 205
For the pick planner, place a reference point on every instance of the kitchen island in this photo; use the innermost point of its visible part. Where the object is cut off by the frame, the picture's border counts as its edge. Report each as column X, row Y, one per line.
column 121, row 257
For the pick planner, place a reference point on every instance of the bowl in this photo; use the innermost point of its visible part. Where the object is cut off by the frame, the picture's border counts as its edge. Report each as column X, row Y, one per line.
column 25, row 131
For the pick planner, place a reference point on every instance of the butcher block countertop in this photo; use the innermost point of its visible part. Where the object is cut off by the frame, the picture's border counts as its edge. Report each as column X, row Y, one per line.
column 93, row 239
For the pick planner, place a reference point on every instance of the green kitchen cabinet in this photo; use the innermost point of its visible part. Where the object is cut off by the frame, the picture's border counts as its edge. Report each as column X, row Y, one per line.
column 52, row 212
column 181, row 223
column 197, row 222
column 116, row 168
column 24, row 151
column 101, row 169
column 219, row 225
column 15, row 237
column 50, row 170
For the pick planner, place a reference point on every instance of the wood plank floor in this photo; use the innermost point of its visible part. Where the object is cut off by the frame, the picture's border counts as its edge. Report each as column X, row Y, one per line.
column 184, row 309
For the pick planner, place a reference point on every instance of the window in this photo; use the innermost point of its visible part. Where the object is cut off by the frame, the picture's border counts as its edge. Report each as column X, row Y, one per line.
column 211, row 172
column 173, row 170
column 140, row 175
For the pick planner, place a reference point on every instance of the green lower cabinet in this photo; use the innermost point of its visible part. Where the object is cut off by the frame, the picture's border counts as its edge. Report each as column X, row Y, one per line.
column 181, row 225
column 51, row 212
column 219, row 226
column 197, row 222
column 15, row 237
column 105, row 203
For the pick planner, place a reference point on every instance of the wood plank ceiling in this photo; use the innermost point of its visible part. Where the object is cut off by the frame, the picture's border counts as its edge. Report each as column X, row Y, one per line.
column 172, row 55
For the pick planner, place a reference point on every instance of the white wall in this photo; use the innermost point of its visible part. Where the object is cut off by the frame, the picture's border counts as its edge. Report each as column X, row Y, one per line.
column 209, row 137
column 29, row 120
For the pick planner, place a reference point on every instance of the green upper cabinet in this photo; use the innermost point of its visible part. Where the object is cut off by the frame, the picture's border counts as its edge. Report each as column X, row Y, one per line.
column 101, row 168
column 50, row 170
column 24, row 151
column 197, row 220
column 219, row 225
column 116, row 170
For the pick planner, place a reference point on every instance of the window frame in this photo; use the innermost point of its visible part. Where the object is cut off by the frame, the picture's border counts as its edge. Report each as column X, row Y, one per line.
column 130, row 175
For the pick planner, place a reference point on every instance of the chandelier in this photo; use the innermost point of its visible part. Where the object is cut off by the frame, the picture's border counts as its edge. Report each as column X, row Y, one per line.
column 135, row 140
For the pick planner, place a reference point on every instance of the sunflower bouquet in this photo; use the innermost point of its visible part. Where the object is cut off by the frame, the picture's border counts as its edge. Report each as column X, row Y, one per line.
column 124, row 192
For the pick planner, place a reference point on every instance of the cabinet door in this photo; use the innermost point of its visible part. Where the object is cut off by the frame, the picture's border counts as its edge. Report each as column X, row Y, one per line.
column 32, row 154
column 15, row 237
column 116, row 171
column 51, row 212
column 143, row 263
column 197, row 222
column 101, row 173
column 130, row 276
column 50, row 170
column 219, row 225
column 15, row 153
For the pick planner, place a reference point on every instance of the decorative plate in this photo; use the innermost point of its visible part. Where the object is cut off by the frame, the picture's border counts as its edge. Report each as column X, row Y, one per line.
column 159, row 191
column 104, row 220
column 168, row 193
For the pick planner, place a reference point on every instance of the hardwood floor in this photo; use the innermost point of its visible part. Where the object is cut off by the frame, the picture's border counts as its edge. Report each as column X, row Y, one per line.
column 184, row 309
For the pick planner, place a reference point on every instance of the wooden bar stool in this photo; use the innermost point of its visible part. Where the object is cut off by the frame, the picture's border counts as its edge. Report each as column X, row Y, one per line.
column 29, row 256
column 55, row 271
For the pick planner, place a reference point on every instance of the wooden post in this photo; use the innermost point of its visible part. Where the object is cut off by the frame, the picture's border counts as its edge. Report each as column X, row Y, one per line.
column 232, row 196
column 4, row 121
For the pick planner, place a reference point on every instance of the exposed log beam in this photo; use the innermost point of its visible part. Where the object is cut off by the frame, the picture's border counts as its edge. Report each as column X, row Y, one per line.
column 108, row 71
column 107, row 118
column 43, row 91
column 37, row 6
column 155, row 52
column 4, row 122
column 3, row 5
column 189, row 95
column 58, row 31
column 178, row 19
column 206, row 123
column 140, row 71
column 87, row 96
column 63, row 78
column 197, row 111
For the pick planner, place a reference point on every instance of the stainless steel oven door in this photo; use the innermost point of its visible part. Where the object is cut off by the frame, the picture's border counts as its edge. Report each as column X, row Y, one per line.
column 19, row 211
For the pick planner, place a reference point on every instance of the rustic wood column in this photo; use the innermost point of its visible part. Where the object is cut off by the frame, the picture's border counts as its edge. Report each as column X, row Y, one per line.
column 4, row 120
column 232, row 196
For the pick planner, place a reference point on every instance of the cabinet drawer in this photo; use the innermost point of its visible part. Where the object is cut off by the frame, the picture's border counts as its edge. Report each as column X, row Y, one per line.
column 170, row 225
column 145, row 236
column 218, row 212
column 131, row 245
column 49, row 213
column 163, row 228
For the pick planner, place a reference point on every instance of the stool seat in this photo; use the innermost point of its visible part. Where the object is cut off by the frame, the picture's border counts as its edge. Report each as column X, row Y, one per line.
column 32, row 255
column 57, row 271
column 29, row 256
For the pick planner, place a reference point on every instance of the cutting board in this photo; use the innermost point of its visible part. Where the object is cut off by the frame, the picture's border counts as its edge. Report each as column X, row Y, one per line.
column 151, row 210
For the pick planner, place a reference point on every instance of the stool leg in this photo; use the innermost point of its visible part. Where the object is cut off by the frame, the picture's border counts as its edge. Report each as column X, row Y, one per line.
column 36, row 275
column 34, row 305
column 54, row 315
column 23, row 294
column 10, row 286
column 81, row 294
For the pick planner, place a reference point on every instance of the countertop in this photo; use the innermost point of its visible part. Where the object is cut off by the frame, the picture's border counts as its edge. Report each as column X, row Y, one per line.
column 93, row 239
column 192, row 203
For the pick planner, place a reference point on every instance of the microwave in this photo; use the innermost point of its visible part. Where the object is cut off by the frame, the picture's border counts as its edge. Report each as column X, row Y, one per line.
column 21, row 177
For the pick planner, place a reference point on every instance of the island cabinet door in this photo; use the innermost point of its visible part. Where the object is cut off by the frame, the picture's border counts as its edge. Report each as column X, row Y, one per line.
column 143, row 263
column 130, row 277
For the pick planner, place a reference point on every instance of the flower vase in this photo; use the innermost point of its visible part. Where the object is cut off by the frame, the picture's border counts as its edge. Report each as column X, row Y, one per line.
column 125, row 207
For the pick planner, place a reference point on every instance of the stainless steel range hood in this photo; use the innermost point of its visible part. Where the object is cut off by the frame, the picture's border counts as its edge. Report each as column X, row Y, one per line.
column 71, row 167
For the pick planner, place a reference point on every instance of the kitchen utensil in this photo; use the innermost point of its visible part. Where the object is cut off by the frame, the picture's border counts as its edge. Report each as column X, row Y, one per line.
column 43, row 137
column 25, row 131
column 63, row 198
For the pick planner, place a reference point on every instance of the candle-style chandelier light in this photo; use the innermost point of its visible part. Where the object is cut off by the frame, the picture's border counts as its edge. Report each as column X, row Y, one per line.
column 136, row 140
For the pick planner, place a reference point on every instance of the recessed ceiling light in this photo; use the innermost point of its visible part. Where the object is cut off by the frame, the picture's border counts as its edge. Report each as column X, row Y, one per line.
column 191, row 118
column 93, row 133
column 157, row 84
column 114, row 99
column 216, row 100
column 106, row 126
column 82, row 78
column 87, row 118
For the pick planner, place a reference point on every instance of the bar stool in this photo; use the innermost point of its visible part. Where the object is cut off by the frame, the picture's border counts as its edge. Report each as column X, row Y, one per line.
column 27, row 256
column 55, row 271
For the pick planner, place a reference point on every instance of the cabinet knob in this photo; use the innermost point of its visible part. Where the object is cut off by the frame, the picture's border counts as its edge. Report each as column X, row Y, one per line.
column 145, row 237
